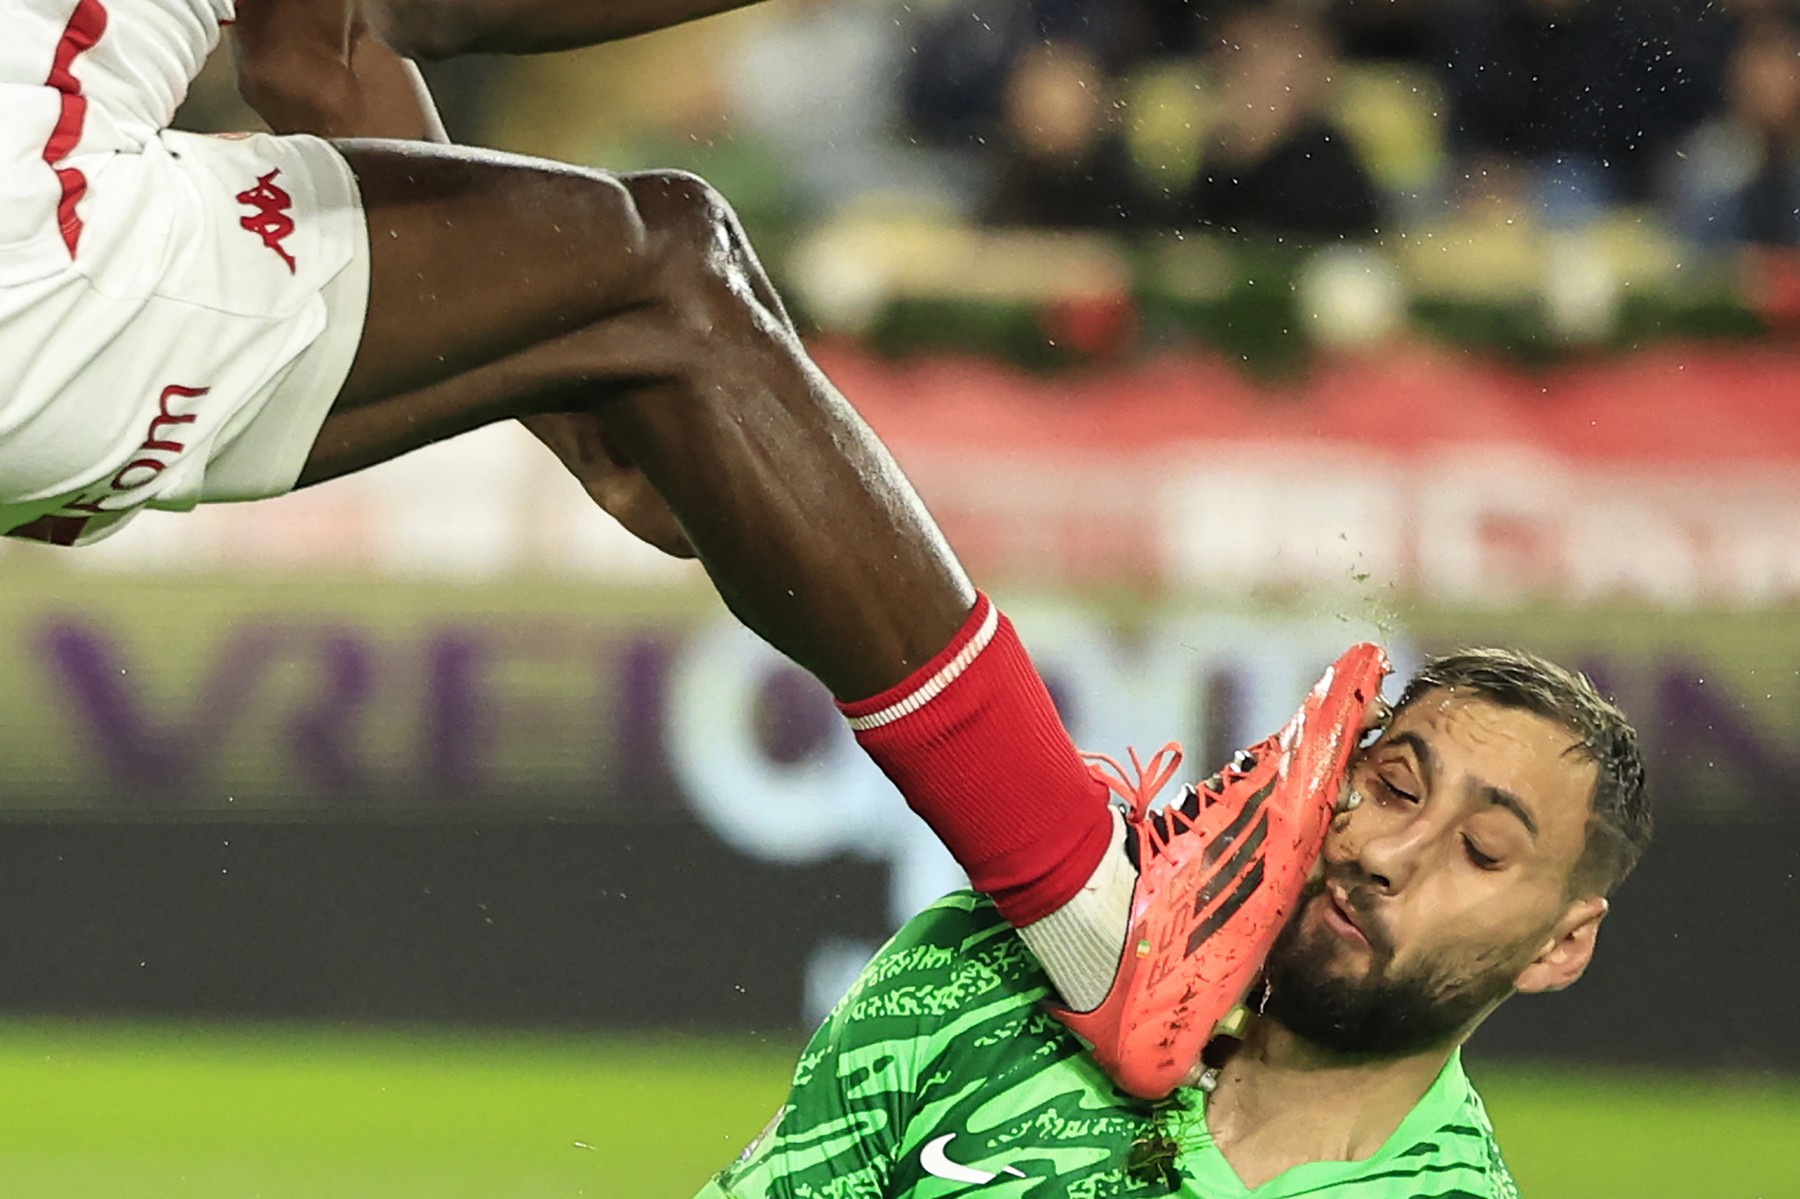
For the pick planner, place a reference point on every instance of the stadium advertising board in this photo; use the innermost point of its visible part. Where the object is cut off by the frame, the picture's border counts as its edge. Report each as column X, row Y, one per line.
column 645, row 728
column 173, row 696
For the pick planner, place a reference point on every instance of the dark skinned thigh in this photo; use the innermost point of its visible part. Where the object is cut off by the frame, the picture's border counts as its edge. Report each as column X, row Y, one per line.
column 575, row 372
column 475, row 256
column 503, row 287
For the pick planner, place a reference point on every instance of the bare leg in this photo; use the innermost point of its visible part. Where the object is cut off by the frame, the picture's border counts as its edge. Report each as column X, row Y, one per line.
column 476, row 256
column 505, row 288
column 509, row 288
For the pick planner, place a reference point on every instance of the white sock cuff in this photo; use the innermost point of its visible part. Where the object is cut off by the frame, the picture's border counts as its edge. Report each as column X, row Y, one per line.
column 1081, row 943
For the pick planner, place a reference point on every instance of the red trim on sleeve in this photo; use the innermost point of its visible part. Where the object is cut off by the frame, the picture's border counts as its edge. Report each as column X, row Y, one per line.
column 86, row 26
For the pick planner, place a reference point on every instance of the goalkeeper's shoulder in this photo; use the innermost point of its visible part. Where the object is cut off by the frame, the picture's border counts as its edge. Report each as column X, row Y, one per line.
column 1455, row 1162
column 958, row 950
column 853, row 1084
column 941, row 943
column 960, row 920
column 1463, row 1146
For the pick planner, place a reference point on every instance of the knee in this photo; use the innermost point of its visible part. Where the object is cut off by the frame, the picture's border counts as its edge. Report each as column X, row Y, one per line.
column 691, row 231
column 598, row 213
column 679, row 203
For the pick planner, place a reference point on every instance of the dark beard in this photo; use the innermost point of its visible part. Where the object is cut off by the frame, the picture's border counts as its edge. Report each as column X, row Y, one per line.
column 1380, row 1014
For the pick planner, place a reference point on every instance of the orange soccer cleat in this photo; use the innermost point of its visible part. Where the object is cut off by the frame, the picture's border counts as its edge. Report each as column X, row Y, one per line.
column 1218, row 876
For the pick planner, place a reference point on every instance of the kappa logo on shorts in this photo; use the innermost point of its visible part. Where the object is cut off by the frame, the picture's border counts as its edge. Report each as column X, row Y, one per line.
column 273, row 219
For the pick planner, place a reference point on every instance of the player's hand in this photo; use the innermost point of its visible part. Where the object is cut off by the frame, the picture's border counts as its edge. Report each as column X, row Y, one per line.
column 610, row 479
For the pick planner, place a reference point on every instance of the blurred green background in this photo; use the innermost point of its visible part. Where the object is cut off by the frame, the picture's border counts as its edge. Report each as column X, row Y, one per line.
column 279, row 1112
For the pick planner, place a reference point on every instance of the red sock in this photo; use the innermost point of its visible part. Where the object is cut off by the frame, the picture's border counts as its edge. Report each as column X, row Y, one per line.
column 973, row 742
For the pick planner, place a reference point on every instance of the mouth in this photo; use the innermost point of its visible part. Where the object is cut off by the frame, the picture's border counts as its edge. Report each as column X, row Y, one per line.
column 1340, row 919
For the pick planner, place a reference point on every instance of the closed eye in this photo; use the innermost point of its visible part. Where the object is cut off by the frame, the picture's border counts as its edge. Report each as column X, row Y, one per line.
column 1395, row 792
column 1480, row 859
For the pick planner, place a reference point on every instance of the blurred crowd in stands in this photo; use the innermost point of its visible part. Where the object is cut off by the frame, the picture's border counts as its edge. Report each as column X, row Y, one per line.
column 1310, row 119
column 1304, row 119
column 1322, row 118
column 1341, row 118
column 1647, row 135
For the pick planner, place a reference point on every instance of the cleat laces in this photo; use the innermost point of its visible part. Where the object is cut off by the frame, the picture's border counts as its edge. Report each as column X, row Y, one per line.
column 1140, row 786
column 1139, row 792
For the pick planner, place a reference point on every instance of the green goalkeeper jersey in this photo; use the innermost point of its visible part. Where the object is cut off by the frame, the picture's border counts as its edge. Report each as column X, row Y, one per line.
column 940, row 1074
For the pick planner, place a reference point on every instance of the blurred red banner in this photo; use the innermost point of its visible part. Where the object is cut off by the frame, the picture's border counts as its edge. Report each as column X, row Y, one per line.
column 1667, row 477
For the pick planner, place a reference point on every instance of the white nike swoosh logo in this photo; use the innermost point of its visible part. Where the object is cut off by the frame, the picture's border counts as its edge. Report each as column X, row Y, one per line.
column 937, row 1163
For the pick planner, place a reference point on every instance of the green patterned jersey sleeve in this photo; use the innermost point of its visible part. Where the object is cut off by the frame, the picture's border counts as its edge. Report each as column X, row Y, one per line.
column 838, row 1134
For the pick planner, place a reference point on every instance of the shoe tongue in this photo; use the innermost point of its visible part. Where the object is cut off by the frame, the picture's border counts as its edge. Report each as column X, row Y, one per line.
column 1193, row 798
column 1188, row 805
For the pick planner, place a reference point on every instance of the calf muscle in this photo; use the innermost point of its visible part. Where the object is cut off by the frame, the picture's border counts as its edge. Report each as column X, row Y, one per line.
column 814, row 537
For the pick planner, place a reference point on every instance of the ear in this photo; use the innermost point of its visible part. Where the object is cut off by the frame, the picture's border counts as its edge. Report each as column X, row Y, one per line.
column 1568, row 949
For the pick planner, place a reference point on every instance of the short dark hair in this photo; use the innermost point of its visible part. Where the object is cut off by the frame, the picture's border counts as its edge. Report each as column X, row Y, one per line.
column 1619, row 814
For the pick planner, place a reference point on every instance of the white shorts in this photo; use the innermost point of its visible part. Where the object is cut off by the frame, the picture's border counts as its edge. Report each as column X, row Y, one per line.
column 192, row 348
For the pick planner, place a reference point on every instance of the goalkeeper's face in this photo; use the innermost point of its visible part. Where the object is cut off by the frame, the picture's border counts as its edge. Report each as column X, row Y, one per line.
column 1447, row 888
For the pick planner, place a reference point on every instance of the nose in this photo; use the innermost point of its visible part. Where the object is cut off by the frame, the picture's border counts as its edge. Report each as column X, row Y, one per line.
column 1388, row 852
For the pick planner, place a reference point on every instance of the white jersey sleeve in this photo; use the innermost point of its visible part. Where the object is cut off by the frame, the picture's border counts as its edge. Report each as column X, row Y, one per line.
column 80, row 78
